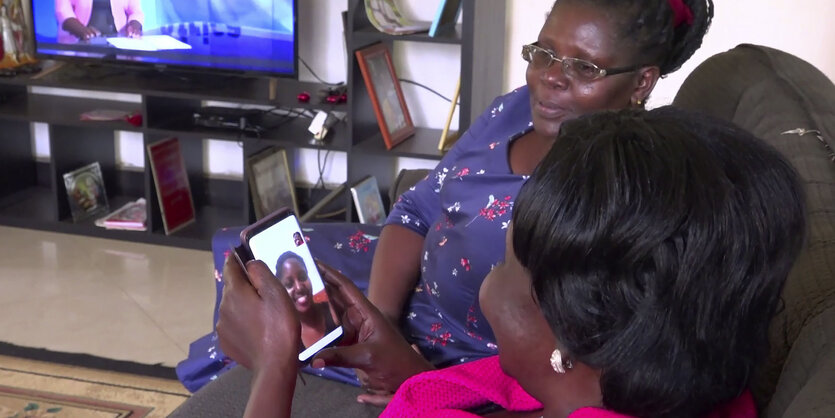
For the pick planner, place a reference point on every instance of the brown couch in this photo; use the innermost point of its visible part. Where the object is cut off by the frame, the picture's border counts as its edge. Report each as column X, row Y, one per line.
column 770, row 92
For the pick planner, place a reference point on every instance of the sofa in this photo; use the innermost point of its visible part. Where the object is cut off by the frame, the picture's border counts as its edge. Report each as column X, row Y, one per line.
column 791, row 105
column 770, row 93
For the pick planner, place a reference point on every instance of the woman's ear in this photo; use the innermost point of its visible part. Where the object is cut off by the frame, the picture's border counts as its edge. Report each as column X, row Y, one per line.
column 645, row 83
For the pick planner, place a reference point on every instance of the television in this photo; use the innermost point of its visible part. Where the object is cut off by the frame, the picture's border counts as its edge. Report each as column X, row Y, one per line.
column 241, row 36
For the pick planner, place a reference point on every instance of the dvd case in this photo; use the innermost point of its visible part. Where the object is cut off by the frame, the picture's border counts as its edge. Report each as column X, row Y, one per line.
column 85, row 191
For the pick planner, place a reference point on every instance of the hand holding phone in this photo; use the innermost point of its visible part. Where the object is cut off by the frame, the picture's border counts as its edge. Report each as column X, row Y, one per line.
column 257, row 324
column 375, row 345
column 278, row 242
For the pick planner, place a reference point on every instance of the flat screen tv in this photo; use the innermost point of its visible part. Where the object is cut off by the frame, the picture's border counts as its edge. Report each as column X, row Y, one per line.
column 248, row 36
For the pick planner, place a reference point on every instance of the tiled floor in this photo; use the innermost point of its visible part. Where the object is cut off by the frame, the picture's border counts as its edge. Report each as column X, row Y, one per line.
column 114, row 299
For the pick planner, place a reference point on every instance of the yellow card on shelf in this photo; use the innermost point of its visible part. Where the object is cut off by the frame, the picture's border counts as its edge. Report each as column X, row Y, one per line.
column 447, row 137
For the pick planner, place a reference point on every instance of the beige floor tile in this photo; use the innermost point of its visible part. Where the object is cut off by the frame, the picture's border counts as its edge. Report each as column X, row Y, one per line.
column 108, row 298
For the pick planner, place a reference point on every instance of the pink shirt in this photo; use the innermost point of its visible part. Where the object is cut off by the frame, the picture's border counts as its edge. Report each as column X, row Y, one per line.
column 123, row 12
column 449, row 392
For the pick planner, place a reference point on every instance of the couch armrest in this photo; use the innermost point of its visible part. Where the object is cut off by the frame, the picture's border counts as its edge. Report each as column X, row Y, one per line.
column 806, row 387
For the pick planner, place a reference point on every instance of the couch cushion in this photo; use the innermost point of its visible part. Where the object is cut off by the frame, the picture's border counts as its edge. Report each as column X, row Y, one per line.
column 770, row 92
column 405, row 180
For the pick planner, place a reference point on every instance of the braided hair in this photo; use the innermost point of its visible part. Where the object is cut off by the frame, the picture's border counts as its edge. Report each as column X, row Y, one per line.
column 649, row 26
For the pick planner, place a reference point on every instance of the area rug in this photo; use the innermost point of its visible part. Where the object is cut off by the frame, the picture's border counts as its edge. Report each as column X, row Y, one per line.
column 31, row 388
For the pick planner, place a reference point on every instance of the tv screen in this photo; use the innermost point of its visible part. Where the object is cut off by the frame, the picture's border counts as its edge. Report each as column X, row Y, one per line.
column 231, row 35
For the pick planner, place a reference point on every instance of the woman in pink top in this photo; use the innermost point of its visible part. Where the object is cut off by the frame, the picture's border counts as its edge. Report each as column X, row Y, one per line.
column 643, row 263
column 84, row 19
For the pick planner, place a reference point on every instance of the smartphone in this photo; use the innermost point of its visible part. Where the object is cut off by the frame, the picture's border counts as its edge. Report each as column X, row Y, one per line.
column 277, row 240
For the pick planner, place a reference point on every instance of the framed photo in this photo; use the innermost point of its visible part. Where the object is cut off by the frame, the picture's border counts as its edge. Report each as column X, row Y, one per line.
column 270, row 182
column 171, row 180
column 85, row 190
column 386, row 95
column 368, row 202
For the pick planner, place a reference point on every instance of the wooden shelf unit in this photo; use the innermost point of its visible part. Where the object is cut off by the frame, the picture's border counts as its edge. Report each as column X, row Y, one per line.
column 32, row 192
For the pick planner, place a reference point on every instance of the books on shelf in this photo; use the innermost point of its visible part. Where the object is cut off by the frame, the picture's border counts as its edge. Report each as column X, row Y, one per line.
column 85, row 191
column 449, row 137
column 367, row 201
column 172, row 186
column 387, row 18
column 132, row 217
column 445, row 18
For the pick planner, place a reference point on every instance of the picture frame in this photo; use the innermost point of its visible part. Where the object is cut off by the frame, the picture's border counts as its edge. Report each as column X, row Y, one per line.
column 85, row 191
column 172, row 185
column 386, row 95
column 270, row 182
column 367, row 201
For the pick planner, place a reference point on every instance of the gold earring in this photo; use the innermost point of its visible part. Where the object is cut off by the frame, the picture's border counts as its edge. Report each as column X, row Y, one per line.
column 639, row 102
column 558, row 364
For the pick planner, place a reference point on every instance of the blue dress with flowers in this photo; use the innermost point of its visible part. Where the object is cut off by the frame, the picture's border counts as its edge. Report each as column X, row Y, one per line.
column 462, row 208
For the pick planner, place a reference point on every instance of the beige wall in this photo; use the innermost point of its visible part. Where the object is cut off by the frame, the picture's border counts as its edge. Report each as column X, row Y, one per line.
column 802, row 27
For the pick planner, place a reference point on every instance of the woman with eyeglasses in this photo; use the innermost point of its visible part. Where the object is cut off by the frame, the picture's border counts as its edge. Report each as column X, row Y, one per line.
column 444, row 236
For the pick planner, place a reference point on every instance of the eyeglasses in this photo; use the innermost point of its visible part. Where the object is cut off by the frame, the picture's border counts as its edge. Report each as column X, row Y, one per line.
column 541, row 58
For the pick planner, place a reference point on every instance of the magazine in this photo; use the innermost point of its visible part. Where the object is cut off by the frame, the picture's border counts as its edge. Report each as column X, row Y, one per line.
column 131, row 216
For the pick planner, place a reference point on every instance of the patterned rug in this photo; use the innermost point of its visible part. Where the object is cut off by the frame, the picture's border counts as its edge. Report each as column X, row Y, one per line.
column 31, row 388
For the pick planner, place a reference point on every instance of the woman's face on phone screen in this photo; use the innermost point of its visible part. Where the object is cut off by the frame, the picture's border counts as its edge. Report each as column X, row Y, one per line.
column 295, row 280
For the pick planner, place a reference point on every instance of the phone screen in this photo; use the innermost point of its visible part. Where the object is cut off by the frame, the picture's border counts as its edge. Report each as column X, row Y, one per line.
column 282, row 247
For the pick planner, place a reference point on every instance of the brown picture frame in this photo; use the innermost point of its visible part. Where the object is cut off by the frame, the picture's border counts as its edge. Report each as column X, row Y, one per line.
column 386, row 95
column 271, row 183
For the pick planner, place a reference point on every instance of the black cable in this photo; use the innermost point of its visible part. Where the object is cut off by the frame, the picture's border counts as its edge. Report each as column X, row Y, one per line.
column 317, row 77
column 321, row 166
column 402, row 80
column 407, row 81
column 291, row 115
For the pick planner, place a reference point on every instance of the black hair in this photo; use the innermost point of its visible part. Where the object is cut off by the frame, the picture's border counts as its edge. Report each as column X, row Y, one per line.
column 658, row 244
column 288, row 255
column 648, row 25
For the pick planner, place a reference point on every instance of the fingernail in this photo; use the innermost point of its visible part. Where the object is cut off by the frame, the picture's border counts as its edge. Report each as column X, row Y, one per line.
column 360, row 400
column 317, row 364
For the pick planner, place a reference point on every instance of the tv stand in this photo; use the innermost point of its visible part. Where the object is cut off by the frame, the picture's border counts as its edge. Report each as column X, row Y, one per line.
column 32, row 194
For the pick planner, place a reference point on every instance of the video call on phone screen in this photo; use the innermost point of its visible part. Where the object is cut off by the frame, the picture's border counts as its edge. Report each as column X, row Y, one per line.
column 283, row 249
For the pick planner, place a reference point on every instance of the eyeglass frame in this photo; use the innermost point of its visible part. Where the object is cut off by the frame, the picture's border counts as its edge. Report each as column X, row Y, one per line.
column 603, row 72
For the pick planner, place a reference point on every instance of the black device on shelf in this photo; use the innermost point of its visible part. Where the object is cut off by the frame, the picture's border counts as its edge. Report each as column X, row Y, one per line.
column 229, row 118
column 240, row 36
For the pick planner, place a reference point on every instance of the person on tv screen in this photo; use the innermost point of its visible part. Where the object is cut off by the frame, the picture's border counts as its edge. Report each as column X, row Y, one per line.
column 86, row 19
column 316, row 318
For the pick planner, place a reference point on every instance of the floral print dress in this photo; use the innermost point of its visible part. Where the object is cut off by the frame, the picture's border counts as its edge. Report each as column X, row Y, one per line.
column 463, row 209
